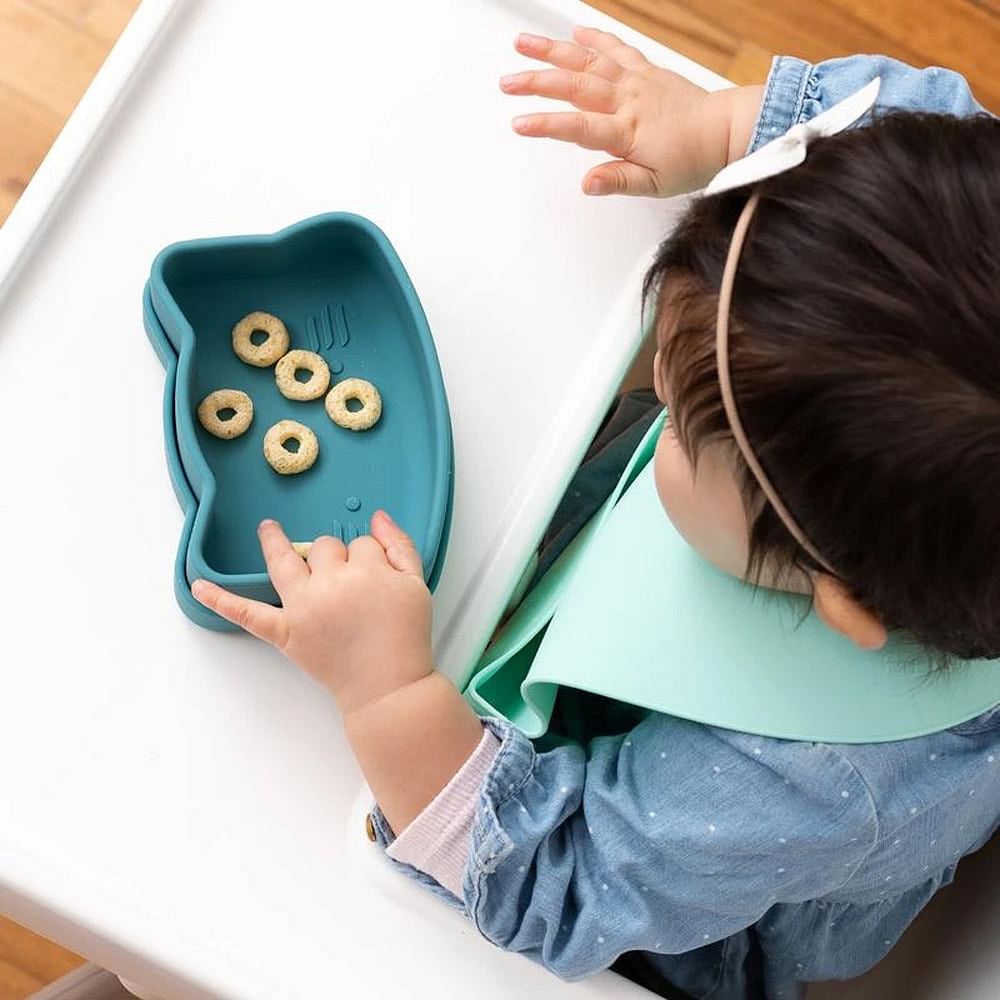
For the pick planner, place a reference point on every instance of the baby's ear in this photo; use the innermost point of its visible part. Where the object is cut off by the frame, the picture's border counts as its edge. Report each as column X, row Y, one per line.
column 841, row 612
column 658, row 379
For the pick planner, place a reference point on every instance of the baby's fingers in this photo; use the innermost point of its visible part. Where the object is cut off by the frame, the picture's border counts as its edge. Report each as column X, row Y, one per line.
column 399, row 548
column 611, row 47
column 260, row 620
column 566, row 55
column 582, row 90
column 592, row 131
column 620, row 177
column 284, row 564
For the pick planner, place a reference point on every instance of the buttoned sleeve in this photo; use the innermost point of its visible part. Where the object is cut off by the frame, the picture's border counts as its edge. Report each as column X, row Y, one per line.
column 797, row 91
column 666, row 838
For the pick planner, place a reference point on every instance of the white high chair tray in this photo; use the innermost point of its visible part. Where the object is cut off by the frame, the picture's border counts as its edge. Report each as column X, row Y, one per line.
column 181, row 806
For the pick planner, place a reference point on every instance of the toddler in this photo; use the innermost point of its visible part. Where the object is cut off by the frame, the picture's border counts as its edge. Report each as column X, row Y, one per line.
column 835, row 429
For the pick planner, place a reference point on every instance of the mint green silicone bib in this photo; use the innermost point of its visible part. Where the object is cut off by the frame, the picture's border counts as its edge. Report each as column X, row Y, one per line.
column 631, row 612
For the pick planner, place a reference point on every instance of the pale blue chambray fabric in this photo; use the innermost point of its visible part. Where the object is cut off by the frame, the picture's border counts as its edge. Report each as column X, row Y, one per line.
column 697, row 846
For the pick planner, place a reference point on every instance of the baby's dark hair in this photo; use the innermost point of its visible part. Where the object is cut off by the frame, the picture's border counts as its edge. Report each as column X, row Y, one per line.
column 865, row 360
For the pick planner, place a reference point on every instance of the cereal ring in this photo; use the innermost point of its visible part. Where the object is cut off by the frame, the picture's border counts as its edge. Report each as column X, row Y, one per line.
column 302, row 549
column 266, row 353
column 290, row 387
column 283, row 460
column 239, row 405
column 365, row 393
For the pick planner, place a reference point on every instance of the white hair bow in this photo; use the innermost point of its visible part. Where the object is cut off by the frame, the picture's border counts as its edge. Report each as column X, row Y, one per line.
column 789, row 150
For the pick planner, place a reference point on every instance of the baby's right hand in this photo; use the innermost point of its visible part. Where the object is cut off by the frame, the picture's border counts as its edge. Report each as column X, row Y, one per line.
column 659, row 126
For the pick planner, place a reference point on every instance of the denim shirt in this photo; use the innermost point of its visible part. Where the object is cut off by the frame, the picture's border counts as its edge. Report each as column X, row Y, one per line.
column 693, row 844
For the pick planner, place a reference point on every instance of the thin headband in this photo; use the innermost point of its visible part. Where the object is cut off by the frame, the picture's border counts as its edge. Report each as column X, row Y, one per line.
column 726, row 385
column 781, row 154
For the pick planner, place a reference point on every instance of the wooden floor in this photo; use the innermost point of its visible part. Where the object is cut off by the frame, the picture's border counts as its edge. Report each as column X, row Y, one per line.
column 49, row 50
column 28, row 962
column 737, row 37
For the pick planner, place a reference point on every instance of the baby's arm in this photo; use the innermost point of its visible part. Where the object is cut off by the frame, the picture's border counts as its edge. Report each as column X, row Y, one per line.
column 358, row 619
column 668, row 136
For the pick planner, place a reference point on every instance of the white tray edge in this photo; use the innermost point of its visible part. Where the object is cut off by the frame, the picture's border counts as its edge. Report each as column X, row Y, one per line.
column 52, row 178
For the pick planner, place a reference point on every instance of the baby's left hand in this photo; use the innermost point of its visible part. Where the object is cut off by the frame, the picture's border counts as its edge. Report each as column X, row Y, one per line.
column 357, row 617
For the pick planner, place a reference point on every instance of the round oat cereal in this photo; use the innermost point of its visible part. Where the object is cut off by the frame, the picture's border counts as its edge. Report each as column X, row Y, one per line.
column 226, row 413
column 365, row 393
column 266, row 353
column 294, row 361
column 287, row 461
column 302, row 549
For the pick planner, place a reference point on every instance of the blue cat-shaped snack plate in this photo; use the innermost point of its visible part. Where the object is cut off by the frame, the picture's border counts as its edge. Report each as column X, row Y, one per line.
column 341, row 290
